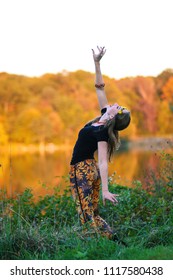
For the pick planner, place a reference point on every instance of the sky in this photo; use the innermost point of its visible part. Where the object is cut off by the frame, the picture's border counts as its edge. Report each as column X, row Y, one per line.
column 50, row 36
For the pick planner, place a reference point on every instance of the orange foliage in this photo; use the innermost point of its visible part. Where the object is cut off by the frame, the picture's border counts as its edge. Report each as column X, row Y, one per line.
column 168, row 90
column 52, row 108
column 145, row 87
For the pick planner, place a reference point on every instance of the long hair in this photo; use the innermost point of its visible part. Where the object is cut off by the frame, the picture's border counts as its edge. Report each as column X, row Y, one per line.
column 114, row 125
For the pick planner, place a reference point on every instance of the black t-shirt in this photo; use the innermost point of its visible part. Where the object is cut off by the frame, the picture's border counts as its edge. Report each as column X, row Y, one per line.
column 87, row 141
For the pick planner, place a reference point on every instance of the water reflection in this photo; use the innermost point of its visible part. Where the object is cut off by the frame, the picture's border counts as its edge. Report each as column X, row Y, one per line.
column 43, row 172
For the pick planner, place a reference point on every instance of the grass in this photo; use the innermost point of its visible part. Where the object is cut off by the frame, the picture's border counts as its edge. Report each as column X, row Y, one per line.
column 48, row 229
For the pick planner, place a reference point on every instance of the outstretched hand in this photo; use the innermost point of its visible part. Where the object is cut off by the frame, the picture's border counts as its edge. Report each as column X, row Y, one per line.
column 109, row 196
column 98, row 57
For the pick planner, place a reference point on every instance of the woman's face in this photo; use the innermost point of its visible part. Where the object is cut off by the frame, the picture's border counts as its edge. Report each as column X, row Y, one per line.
column 115, row 109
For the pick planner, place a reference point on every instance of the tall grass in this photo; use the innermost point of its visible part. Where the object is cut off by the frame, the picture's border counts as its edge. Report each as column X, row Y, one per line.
column 49, row 228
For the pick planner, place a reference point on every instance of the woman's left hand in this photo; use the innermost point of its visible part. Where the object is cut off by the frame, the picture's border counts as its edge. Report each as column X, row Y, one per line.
column 98, row 57
column 109, row 196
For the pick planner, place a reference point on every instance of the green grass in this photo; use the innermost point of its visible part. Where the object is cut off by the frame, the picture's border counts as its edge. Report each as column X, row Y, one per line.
column 157, row 253
column 48, row 229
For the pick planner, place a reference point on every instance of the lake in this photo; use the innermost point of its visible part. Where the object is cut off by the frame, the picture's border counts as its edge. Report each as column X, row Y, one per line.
column 42, row 172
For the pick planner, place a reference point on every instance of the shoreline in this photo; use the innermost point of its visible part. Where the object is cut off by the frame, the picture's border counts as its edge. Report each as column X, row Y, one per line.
column 142, row 143
column 151, row 143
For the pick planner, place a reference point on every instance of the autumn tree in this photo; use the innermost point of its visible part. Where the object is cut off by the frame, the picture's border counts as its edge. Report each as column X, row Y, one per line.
column 162, row 79
column 168, row 91
column 53, row 107
column 147, row 104
column 13, row 92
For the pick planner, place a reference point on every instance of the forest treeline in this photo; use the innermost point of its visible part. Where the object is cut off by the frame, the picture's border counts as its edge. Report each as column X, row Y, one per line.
column 53, row 107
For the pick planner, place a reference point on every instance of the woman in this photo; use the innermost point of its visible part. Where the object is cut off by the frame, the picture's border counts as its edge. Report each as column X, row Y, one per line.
column 86, row 175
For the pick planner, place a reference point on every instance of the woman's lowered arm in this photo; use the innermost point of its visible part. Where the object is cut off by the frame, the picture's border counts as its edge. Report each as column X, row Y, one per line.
column 103, row 167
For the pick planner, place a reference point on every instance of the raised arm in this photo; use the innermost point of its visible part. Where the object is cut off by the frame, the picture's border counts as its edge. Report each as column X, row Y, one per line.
column 99, row 83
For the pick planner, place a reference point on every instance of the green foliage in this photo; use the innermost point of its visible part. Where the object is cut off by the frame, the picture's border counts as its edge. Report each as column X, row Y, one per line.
column 48, row 228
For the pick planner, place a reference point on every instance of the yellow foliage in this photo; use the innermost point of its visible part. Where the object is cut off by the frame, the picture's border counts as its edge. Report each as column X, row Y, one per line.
column 165, row 119
column 168, row 91
column 52, row 108
column 3, row 135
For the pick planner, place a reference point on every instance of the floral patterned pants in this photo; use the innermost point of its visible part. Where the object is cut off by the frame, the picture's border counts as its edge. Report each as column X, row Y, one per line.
column 85, row 186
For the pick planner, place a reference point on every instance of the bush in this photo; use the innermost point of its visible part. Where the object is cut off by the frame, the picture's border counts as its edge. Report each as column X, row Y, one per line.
column 49, row 228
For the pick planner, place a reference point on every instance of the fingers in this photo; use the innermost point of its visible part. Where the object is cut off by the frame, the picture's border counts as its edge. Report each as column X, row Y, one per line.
column 111, row 197
column 113, row 200
column 101, row 50
column 93, row 51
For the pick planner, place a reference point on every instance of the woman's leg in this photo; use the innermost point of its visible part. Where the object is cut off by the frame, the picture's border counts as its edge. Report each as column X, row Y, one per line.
column 81, row 181
column 103, row 227
column 85, row 186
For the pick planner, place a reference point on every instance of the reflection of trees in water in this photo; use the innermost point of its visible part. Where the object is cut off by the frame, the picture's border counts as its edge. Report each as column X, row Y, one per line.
column 124, row 165
column 42, row 173
column 137, row 165
column 147, row 162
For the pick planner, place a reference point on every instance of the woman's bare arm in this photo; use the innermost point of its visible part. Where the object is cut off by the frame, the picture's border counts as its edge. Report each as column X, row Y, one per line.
column 101, row 95
column 103, row 167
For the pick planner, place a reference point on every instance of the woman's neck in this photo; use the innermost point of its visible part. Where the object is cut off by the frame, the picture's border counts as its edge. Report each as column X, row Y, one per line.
column 101, row 122
column 104, row 118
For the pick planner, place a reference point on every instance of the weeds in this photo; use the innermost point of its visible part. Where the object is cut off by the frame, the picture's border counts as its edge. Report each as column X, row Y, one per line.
column 49, row 228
